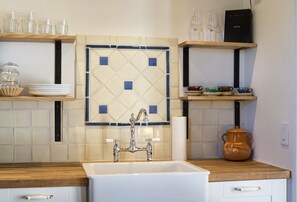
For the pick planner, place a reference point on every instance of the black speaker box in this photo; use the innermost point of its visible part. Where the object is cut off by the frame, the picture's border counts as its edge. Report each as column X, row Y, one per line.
column 238, row 26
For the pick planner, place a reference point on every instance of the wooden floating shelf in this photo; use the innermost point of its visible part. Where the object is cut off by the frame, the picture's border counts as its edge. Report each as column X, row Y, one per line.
column 218, row 98
column 36, row 38
column 36, row 98
column 219, row 45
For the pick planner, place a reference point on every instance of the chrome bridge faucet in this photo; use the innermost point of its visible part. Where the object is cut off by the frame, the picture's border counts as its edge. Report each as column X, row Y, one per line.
column 132, row 147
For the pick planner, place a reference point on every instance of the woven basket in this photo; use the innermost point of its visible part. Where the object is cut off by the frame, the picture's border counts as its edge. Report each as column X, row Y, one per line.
column 10, row 91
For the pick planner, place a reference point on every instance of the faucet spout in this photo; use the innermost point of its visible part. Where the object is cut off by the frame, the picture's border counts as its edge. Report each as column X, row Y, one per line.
column 132, row 147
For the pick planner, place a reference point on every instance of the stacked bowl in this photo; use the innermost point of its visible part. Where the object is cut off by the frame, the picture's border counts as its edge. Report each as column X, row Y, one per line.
column 50, row 89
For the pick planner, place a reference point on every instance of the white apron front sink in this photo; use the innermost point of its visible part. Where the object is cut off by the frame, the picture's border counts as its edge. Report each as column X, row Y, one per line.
column 164, row 181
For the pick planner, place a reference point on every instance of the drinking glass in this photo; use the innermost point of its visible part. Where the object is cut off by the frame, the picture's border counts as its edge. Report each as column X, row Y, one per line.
column 195, row 31
column 214, row 31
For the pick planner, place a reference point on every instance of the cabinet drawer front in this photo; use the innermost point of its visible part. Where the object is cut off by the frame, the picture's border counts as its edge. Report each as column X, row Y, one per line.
column 59, row 194
column 247, row 188
column 249, row 199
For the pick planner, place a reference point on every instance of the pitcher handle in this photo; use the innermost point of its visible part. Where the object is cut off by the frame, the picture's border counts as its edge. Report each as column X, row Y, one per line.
column 223, row 137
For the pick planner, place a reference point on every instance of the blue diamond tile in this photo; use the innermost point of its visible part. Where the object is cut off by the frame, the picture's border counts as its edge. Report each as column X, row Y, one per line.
column 103, row 60
column 152, row 62
column 153, row 109
column 102, row 109
column 128, row 85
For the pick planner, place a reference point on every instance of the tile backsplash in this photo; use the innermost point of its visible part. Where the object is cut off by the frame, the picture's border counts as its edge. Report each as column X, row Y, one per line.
column 26, row 127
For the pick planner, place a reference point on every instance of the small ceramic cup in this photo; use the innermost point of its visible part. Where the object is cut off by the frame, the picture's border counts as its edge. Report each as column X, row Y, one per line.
column 244, row 90
column 195, row 88
column 225, row 88
column 213, row 89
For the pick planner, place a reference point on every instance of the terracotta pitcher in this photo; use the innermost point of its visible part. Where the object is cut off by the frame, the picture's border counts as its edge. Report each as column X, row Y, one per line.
column 237, row 144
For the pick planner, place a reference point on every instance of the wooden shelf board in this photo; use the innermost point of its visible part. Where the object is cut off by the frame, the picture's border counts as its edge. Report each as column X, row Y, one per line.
column 36, row 98
column 218, row 98
column 36, row 38
column 218, row 45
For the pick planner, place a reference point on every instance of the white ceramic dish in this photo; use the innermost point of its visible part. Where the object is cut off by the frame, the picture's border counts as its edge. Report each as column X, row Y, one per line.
column 193, row 93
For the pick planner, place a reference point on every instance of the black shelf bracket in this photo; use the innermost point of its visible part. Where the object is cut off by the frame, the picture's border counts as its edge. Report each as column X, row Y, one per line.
column 236, row 85
column 186, row 66
column 58, row 80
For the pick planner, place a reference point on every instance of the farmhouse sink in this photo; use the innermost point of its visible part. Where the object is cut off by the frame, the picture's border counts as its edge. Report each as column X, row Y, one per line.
column 164, row 181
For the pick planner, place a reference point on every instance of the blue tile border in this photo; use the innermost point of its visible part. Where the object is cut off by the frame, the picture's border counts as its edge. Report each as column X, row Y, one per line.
column 91, row 46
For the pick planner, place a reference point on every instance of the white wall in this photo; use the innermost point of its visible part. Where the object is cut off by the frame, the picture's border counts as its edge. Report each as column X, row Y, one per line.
column 118, row 17
column 274, row 80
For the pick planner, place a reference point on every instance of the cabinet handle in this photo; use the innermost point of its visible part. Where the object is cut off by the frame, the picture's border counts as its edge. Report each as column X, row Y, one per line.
column 38, row 197
column 247, row 189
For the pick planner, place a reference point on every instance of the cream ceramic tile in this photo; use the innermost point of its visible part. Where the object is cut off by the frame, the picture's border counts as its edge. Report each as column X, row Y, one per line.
column 41, row 135
column 128, row 40
column 76, row 152
column 41, row 118
column 174, row 93
column 58, row 153
column 46, row 105
column 76, row 117
column 5, row 105
column 196, row 151
column 25, row 104
column 210, row 133
column 111, row 133
column 22, row 118
column 23, row 153
column 23, row 136
column 76, row 104
column 174, row 75
column 94, row 152
column 175, row 104
column 163, row 132
column 139, row 61
column 210, row 117
column 157, row 41
column 80, row 91
column 115, row 85
column 108, row 152
column 80, row 76
column 223, row 129
column 174, row 54
column 6, row 136
column 196, row 117
column 81, row 39
column 176, row 112
column 226, row 117
column 6, row 154
column 116, row 60
column 201, row 105
column 41, row 153
column 143, row 133
column 94, row 135
column 125, row 135
column 81, row 52
column 6, row 118
column 210, row 150
column 77, row 135
column 142, row 85
column 223, row 105
column 96, row 39
column 152, row 96
column 196, row 133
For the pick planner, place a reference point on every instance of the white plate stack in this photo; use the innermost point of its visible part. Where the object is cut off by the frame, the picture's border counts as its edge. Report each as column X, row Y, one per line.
column 50, row 89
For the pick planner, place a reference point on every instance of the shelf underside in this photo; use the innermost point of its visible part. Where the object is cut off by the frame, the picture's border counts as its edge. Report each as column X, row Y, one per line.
column 36, row 98
column 36, row 38
column 218, row 45
column 218, row 98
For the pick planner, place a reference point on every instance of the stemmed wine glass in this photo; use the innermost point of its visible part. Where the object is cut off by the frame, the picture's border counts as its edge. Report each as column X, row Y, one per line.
column 214, row 32
column 196, row 26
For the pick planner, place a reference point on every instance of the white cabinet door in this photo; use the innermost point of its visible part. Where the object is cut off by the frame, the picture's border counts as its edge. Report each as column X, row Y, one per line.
column 43, row 194
column 248, row 191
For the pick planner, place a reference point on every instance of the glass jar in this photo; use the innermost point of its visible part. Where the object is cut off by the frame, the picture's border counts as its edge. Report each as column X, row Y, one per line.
column 9, row 75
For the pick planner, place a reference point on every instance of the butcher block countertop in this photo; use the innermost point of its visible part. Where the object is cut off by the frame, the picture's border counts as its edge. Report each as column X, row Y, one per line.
column 42, row 175
column 222, row 170
column 72, row 174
